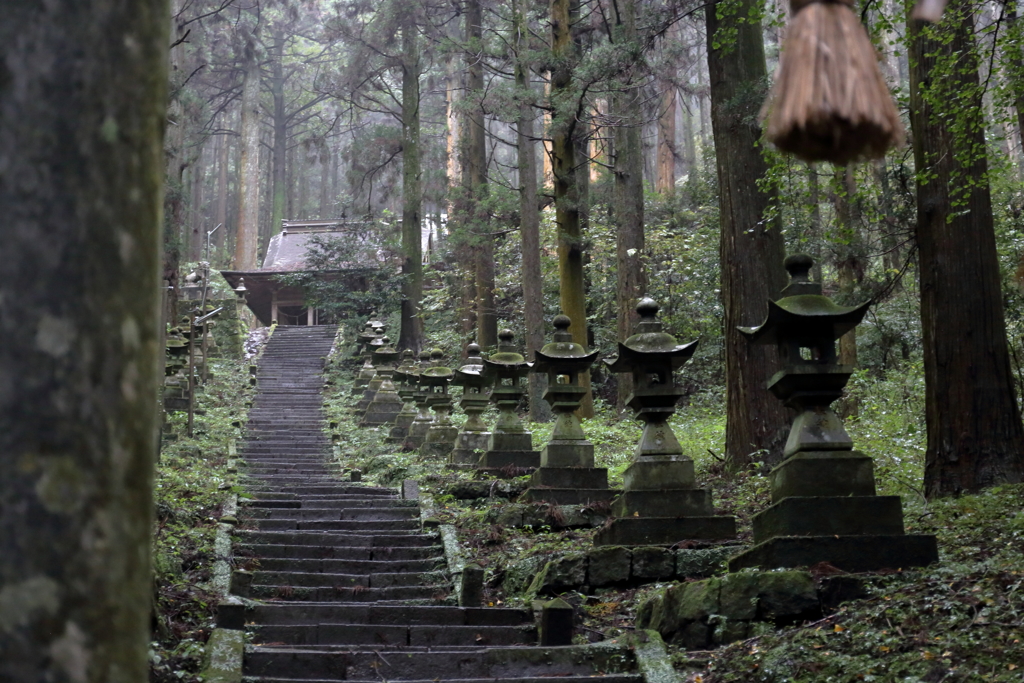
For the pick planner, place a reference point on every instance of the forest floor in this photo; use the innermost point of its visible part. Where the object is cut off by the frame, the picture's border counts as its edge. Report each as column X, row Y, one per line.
column 959, row 620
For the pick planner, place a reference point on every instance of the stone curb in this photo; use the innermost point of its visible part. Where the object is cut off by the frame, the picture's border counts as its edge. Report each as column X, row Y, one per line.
column 453, row 554
column 225, row 648
column 653, row 660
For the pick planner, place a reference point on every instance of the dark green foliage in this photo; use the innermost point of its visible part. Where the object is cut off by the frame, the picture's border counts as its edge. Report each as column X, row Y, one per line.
column 347, row 277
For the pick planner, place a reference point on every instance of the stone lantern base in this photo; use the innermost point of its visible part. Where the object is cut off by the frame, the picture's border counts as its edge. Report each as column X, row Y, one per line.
column 826, row 510
column 577, row 482
column 662, row 506
column 439, row 441
column 383, row 410
column 469, row 446
column 400, row 429
column 509, row 449
column 417, row 434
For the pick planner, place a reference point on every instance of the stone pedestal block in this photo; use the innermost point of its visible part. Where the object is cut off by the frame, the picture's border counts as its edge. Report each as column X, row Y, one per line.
column 830, row 516
column 568, row 477
column 469, row 446
column 568, row 496
column 400, row 429
column 383, row 410
column 439, row 441
column 670, row 503
column 509, row 449
column 572, row 454
column 658, row 473
column 648, row 531
column 417, row 433
column 849, row 553
column 823, row 473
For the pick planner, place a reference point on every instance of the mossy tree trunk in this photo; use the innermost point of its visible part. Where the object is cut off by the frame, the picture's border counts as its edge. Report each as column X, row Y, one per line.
column 411, row 333
column 475, row 181
column 529, row 212
column 280, row 149
column 83, row 95
column 567, row 112
column 975, row 437
column 247, row 234
column 629, row 192
column 751, row 248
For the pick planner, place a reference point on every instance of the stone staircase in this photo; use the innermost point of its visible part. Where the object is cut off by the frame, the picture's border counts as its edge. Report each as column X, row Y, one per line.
column 343, row 582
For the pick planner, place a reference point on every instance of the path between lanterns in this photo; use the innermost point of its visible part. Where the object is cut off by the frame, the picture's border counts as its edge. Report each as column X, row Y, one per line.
column 345, row 583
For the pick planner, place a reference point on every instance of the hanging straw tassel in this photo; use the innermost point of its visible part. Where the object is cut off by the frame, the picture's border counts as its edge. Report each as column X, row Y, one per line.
column 829, row 101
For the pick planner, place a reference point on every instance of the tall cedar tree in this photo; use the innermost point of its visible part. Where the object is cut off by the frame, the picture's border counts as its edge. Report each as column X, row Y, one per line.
column 474, row 177
column 751, row 249
column 246, row 236
column 568, row 105
column 629, row 190
column 83, row 95
column 975, row 437
column 529, row 211
column 411, row 333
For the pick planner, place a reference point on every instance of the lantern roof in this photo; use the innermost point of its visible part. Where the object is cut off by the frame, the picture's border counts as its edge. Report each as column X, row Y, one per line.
column 803, row 311
column 506, row 360
column 563, row 353
column 471, row 374
column 650, row 342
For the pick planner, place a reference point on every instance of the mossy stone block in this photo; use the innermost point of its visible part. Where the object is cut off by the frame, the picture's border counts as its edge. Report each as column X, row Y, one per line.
column 787, row 597
column 698, row 600
column 702, row 562
column 653, row 563
column 560, row 575
column 739, row 595
column 608, row 566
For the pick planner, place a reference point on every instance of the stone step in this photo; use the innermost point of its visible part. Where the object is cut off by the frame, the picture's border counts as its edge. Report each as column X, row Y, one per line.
column 370, row 514
column 347, row 593
column 431, row 665
column 349, row 540
column 319, row 502
column 342, row 492
column 325, row 580
column 346, row 566
column 586, row 678
column 433, row 553
column 395, row 635
column 363, row 526
column 440, row 615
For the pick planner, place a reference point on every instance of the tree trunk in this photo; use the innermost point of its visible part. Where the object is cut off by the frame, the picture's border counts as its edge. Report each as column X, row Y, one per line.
column 219, row 237
column 975, row 437
column 475, row 181
column 666, row 182
column 629, row 196
column 411, row 333
column 751, row 250
column 197, row 242
column 325, row 182
column 83, row 103
column 280, row 151
column 566, row 104
column 529, row 212
column 246, row 236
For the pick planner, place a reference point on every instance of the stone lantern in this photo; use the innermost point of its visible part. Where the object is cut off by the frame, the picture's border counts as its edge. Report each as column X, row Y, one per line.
column 567, row 475
column 510, row 444
column 406, row 379
column 472, row 440
column 369, row 369
column 386, row 404
column 440, row 437
column 421, row 423
column 824, row 507
column 660, row 504
column 369, row 340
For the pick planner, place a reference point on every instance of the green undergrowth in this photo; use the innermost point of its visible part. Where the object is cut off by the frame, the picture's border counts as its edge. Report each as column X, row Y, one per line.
column 191, row 485
column 959, row 620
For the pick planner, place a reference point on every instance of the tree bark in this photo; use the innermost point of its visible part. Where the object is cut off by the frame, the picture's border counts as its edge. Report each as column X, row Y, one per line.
column 83, row 101
column 751, row 248
column 219, row 237
column 475, row 181
column 411, row 334
column 629, row 195
column 566, row 104
column 247, row 234
column 666, row 182
column 975, row 437
column 280, row 151
column 529, row 213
